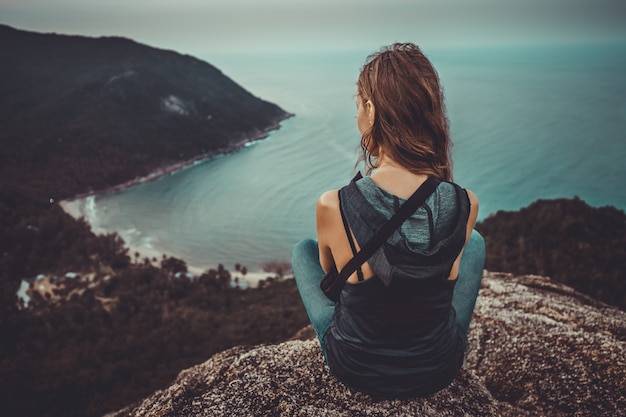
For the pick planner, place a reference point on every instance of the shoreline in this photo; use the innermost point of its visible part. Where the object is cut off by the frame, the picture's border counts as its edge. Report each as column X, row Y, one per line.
column 76, row 209
column 158, row 172
column 76, row 205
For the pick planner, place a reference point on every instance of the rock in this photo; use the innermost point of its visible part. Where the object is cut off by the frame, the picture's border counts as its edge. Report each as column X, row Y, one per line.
column 542, row 348
column 535, row 348
column 291, row 379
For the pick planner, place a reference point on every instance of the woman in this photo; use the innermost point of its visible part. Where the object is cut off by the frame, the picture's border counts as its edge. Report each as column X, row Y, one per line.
column 400, row 326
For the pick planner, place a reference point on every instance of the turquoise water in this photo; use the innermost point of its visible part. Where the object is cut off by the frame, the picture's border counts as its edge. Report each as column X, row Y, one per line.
column 527, row 123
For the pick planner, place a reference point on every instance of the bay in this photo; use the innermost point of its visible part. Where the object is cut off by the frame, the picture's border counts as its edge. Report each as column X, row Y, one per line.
column 527, row 123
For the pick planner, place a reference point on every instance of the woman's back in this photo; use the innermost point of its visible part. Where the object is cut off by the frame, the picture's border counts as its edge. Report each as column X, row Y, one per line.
column 394, row 334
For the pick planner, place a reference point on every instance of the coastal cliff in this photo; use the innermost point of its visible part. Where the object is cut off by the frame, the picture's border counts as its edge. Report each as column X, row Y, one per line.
column 535, row 348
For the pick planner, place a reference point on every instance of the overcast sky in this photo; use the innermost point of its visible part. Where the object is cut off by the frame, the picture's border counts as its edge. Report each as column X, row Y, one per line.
column 201, row 26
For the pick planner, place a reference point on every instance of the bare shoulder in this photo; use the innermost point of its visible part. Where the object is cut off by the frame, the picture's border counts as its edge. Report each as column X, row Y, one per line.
column 472, row 197
column 326, row 210
column 326, row 224
column 328, row 201
column 473, row 207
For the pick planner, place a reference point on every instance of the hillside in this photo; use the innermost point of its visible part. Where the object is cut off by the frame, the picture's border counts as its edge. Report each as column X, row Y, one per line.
column 83, row 113
column 565, row 239
column 102, row 341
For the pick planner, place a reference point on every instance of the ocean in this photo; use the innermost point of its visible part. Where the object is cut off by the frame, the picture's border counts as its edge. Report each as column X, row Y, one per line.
column 527, row 123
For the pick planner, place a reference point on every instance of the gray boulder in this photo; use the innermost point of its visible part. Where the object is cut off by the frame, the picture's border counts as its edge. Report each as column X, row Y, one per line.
column 536, row 348
column 543, row 349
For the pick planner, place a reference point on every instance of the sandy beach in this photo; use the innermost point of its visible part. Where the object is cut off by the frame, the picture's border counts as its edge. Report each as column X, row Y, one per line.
column 74, row 207
column 77, row 209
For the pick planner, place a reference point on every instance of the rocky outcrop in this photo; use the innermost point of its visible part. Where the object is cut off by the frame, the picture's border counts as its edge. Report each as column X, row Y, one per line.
column 536, row 348
column 291, row 379
column 543, row 349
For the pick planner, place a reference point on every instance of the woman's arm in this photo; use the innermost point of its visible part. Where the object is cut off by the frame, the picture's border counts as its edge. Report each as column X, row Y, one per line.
column 473, row 215
column 471, row 222
column 331, row 237
column 326, row 214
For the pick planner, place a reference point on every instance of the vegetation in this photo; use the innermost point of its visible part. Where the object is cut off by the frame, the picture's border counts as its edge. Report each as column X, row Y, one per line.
column 113, row 339
column 565, row 239
column 82, row 114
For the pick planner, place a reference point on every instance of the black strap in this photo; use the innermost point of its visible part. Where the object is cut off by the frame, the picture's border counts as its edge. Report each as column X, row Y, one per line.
column 359, row 272
column 408, row 208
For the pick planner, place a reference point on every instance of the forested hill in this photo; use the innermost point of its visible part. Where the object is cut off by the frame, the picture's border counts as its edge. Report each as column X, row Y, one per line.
column 565, row 239
column 82, row 113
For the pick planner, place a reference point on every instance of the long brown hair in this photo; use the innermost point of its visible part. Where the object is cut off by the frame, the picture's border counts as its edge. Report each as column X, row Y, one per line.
column 410, row 124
